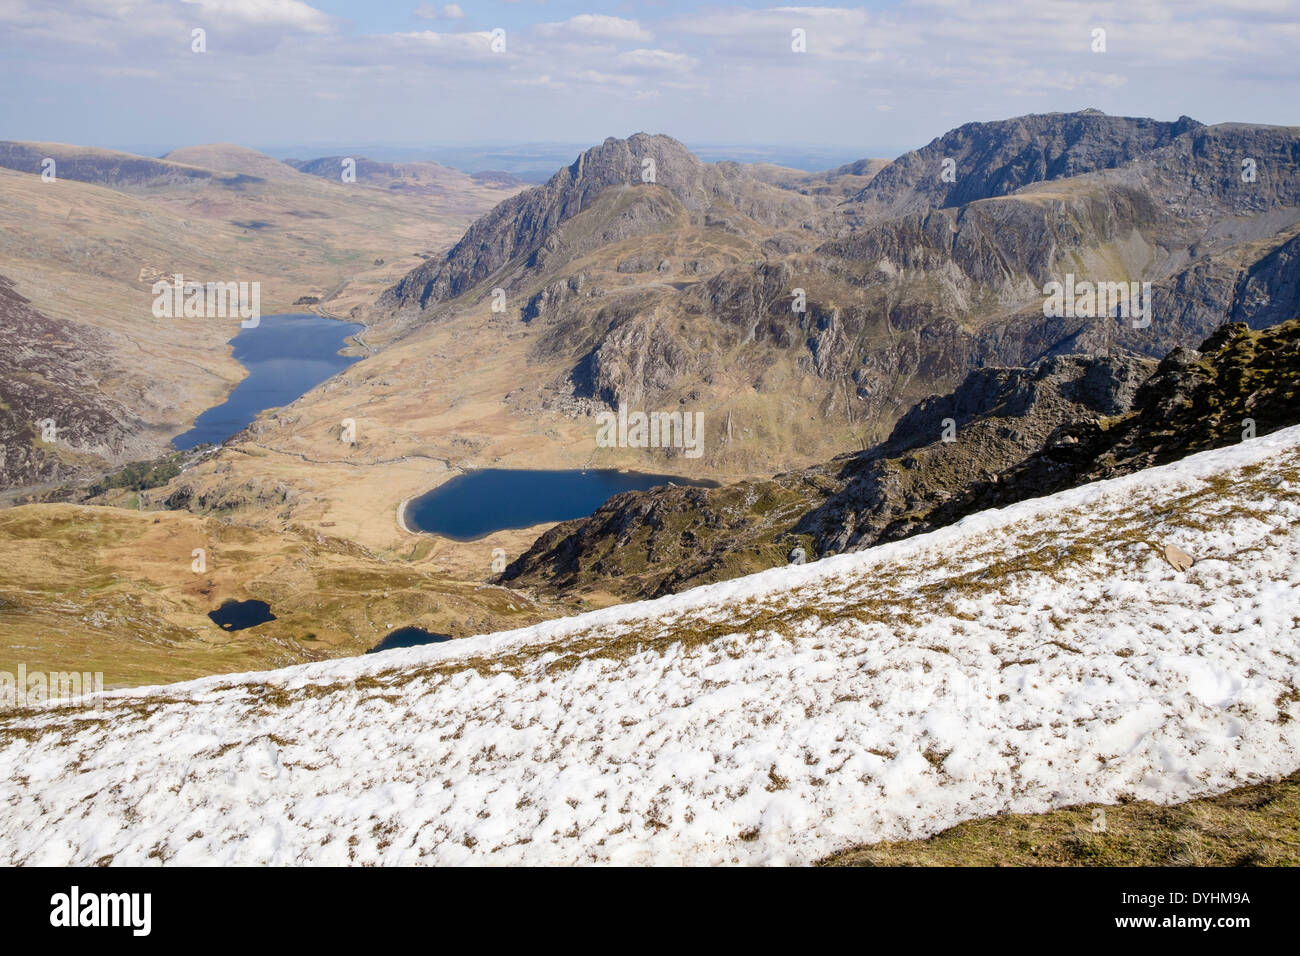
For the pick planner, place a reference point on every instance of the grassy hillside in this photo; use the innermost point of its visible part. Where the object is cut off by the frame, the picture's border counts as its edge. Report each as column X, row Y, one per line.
column 1256, row 825
column 116, row 591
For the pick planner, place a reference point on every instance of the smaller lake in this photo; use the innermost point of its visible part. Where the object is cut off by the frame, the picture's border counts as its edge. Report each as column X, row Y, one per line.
column 286, row 356
column 236, row 615
column 480, row 502
column 408, row 637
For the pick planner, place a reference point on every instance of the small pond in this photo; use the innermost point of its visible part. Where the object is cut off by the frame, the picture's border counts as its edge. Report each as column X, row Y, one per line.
column 236, row 615
column 408, row 637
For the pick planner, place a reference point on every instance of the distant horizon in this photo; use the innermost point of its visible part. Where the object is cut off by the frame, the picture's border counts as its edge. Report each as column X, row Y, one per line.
column 532, row 155
column 895, row 73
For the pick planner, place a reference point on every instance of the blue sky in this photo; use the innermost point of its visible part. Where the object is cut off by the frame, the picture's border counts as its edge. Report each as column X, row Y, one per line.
column 876, row 78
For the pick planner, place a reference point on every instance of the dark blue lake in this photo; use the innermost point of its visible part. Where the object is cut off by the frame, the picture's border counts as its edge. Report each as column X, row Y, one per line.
column 408, row 637
column 479, row 502
column 286, row 355
column 236, row 615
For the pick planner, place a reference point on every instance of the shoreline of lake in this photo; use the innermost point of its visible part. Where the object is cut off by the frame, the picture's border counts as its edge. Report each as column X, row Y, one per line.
column 401, row 514
column 523, row 499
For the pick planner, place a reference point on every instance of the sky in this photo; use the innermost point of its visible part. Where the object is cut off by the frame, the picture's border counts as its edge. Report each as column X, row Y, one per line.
column 875, row 78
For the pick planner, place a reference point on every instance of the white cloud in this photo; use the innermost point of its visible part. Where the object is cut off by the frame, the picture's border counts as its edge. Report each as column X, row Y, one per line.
column 655, row 60
column 472, row 46
column 596, row 25
column 448, row 11
column 286, row 14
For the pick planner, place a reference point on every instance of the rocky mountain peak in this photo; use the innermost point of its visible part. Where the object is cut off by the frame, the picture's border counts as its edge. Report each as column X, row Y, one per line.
column 997, row 158
column 521, row 226
column 641, row 158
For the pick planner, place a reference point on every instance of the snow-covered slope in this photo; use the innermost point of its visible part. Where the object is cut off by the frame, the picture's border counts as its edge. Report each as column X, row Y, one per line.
column 1024, row 659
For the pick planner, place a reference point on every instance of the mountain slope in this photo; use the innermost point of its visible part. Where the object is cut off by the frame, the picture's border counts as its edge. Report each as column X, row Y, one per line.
column 49, row 373
column 524, row 228
column 238, row 159
column 114, row 590
column 1013, row 434
column 1255, row 825
column 106, row 167
column 1026, row 659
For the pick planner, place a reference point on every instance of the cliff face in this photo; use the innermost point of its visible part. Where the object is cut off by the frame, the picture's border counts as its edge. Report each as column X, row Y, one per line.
column 1003, row 436
column 49, row 373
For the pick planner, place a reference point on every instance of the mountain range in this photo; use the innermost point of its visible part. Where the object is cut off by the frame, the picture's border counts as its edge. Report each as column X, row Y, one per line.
column 651, row 294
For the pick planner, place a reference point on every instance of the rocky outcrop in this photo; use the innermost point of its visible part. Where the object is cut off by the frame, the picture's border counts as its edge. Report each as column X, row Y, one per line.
column 638, row 363
column 945, row 444
column 1239, row 383
column 189, row 493
column 54, row 423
